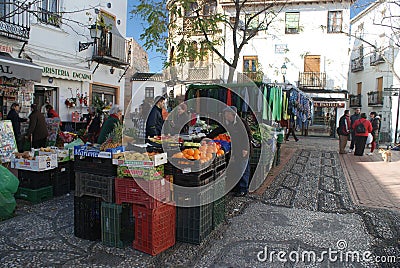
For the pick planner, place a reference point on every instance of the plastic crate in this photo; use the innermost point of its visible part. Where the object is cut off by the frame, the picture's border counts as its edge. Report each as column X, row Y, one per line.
column 219, row 162
column 219, row 184
column 218, row 212
column 194, row 179
column 154, row 228
column 35, row 195
column 192, row 165
column 35, row 179
column 87, row 219
column 151, row 194
column 95, row 165
column 72, row 175
column 94, row 185
column 117, row 224
column 61, row 179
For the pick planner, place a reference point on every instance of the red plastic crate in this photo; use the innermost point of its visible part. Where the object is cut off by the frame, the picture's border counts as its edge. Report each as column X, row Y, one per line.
column 154, row 228
column 151, row 194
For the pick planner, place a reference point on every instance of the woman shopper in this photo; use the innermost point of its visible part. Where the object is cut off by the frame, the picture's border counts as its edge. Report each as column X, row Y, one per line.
column 375, row 122
column 361, row 128
column 109, row 124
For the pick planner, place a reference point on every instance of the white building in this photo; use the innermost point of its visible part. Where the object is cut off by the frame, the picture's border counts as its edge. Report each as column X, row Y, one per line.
column 309, row 37
column 75, row 67
column 374, row 73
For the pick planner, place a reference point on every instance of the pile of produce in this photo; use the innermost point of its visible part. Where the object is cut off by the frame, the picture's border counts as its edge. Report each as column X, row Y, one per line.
column 223, row 137
column 204, row 153
column 132, row 156
column 114, row 139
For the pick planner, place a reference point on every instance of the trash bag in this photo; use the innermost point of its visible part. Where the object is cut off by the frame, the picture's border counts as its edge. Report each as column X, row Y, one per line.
column 8, row 182
column 7, row 205
column 369, row 138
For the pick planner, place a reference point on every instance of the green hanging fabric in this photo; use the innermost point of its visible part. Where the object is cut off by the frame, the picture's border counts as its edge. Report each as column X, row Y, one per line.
column 265, row 110
column 285, row 107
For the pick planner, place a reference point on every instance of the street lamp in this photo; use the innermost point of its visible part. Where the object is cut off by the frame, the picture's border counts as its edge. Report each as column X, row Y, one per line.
column 283, row 71
column 95, row 33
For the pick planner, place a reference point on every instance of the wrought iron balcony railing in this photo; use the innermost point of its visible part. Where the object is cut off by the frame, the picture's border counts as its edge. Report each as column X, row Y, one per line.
column 375, row 59
column 312, row 80
column 355, row 100
column 375, row 98
column 111, row 50
column 357, row 64
column 48, row 17
column 14, row 20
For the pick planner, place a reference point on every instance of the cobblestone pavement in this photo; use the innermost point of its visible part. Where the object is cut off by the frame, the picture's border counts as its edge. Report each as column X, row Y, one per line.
column 306, row 208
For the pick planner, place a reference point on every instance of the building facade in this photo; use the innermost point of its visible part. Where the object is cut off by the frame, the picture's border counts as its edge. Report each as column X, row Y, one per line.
column 374, row 81
column 309, row 38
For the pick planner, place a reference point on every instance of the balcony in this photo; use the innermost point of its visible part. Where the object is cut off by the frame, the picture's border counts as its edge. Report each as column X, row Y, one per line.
column 111, row 49
column 375, row 59
column 14, row 21
column 375, row 98
column 355, row 101
column 357, row 64
column 48, row 17
column 312, row 80
column 191, row 25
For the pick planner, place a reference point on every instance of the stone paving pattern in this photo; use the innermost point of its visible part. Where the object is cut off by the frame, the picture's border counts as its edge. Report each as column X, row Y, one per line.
column 307, row 207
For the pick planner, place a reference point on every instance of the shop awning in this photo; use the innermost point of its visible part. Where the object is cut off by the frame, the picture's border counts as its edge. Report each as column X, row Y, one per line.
column 21, row 69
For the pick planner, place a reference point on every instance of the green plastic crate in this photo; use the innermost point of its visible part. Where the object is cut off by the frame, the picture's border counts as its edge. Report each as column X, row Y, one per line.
column 35, row 196
column 218, row 212
column 117, row 225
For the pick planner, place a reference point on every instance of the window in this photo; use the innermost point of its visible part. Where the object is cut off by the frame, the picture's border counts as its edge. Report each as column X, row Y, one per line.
column 379, row 84
column 209, row 8
column 335, row 19
column 149, row 92
column 359, row 88
column 292, row 22
column 191, row 10
column 49, row 12
column 250, row 64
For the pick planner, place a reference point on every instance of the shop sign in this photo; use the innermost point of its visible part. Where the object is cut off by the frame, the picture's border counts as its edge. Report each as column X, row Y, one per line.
column 6, row 49
column 66, row 73
column 5, row 69
column 329, row 104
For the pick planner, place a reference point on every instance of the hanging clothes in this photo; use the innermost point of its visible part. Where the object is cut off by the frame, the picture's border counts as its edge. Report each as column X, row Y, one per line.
column 246, row 99
column 265, row 108
column 229, row 98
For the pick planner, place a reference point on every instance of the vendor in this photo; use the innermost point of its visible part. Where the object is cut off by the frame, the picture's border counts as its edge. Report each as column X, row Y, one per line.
column 240, row 153
column 37, row 131
column 109, row 124
column 94, row 125
column 155, row 121
column 180, row 122
column 13, row 115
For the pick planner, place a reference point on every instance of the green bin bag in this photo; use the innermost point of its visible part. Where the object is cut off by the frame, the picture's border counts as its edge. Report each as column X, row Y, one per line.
column 7, row 205
column 8, row 182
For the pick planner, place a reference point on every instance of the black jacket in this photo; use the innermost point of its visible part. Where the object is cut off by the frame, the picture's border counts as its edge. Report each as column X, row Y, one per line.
column 154, row 122
column 354, row 118
column 16, row 121
column 237, row 135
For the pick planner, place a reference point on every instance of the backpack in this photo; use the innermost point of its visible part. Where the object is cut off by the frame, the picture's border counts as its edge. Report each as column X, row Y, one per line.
column 360, row 128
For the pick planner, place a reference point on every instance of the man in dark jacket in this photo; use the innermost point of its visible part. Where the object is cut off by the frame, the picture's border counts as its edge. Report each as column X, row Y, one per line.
column 155, row 121
column 13, row 115
column 37, row 131
column 241, row 148
column 344, row 131
column 353, row 119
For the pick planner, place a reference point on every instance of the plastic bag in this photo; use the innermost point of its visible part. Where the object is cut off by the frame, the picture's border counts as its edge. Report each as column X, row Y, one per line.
column 369, row 138
column 8, row 182
column 7, row 205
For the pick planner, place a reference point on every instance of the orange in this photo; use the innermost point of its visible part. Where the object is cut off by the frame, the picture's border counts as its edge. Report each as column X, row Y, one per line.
column 190, row 157
column 189, row 151
column 220, row 152
column 209, row 156
column 196, row 157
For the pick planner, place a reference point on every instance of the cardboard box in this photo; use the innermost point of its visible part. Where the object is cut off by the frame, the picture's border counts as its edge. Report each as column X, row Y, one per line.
column 146, row 173
column 41, row 162
column 83, row 150
column 158, row 159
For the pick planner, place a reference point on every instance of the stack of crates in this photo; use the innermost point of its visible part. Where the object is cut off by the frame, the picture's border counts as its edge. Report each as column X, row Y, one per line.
column 219, row 198
column 35, row 186
column 153, row 210
column 94, row 184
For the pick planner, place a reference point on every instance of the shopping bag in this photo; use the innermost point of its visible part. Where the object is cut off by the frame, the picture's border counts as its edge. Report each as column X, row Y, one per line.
column 369, row 138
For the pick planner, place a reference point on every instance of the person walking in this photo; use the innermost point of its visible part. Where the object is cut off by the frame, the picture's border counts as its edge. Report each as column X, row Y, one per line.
column 353, row 118
column 361, row 128
column 155, row 121
column 109, row 124
column 16, row 121
column 239, row 155
column 376, row 123
column 344, row 131
column 291, row 129
column 37, row 131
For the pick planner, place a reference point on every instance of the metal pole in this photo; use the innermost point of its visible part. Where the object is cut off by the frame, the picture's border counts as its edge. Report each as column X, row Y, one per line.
column 397, row 117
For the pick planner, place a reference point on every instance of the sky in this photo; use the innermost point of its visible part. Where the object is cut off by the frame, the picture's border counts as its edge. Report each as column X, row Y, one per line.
column 135, row 28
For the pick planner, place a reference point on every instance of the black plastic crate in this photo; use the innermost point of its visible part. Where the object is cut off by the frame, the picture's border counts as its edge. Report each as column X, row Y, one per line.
column 35, row 179
column 219, row 184
column 194, row 224
column 218, row 212
column 87, row 217
column 61, row 179
column 71, row 175
column 95, row 165
column 95, row 185
column 219, row 162
column 193, row 179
